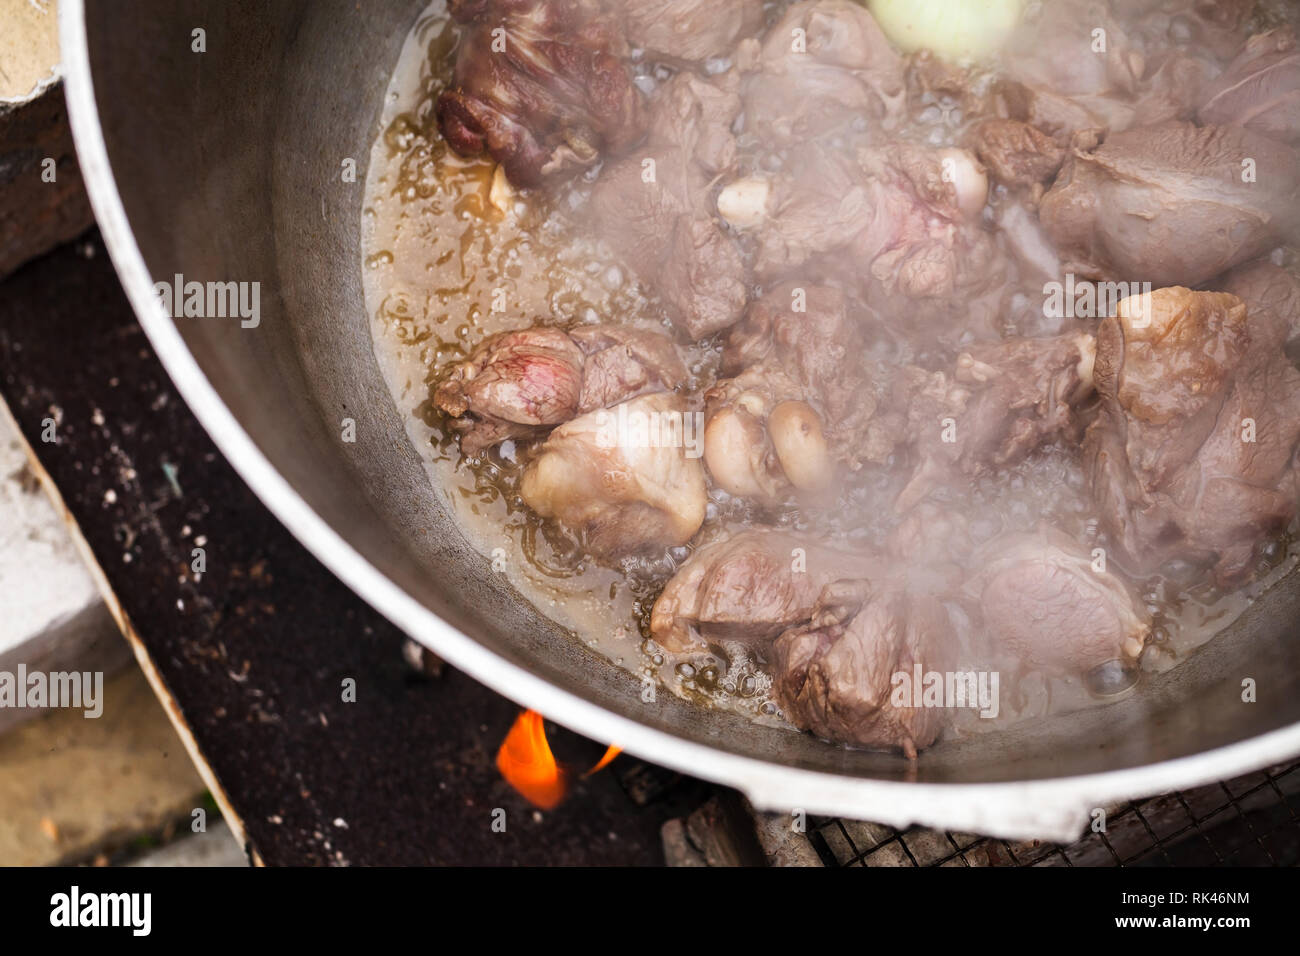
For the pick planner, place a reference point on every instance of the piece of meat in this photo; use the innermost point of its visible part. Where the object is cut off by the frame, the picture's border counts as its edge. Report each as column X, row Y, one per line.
column 800, row 397
column 621, row 479
column 900, row 222
column 1260, row 89
column 1044, row 599
column 690, row 31
column 519, row 384
column 1215, row 26
column 750, row 420
column 622, row 363
column 1061, row 76
column 999, row 403
column 1171, row 204
column 1016, row 153
column 1090, row 64
column 1193, row 454
column 848, row 675
column 541, row 86
column 514, row 385
column 929, row 549
column 654, row 209
column 1272, row 297
column 823, row 65
column 749, row 587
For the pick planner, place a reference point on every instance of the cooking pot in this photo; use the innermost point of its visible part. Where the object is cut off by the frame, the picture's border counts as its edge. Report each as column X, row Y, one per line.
column 220, row 155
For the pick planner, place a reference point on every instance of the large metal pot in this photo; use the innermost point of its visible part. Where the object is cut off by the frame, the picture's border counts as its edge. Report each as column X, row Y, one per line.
column 225, row 165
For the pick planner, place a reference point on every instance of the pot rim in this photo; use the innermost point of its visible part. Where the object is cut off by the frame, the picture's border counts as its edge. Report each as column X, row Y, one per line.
column 1051, row 808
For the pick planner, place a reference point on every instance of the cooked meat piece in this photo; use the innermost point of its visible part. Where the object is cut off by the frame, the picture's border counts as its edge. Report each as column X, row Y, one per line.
column 514, row 385
column 654, row 210
column 1062, row 75
column 922, row 253
column 622, row 363
column 839, row 676
column 749, row 587
column 1016, row 153
column 818, row 206
column 1260, row 89
column 930, row 547
column 622, row 494
column 886, row 206
column 1024, row 391
column 801, row 396
column 900, row 221
column 1215, row 26
column 1057, row 80
column 756, row 424
column 1057, row 50
column 1193, row 454
column 824, row 64
column 556, row 99
column 1000, row 403
column 1043, row 599
column 1168, row 204
column 518, row 384
column 690, row 31
column 1272, row 297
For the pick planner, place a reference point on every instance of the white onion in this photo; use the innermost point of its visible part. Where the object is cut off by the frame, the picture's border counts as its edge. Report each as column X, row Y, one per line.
column 958, row 30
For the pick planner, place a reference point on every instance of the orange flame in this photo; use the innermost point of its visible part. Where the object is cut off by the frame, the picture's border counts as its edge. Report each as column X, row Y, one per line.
column 527, row 764
column 606, row 760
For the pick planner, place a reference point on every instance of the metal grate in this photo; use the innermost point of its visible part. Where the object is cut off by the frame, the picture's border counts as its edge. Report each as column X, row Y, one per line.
column 1252, row 820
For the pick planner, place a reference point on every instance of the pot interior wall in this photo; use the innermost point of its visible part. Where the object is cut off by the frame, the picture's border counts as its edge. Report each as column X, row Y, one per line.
column 228, row 163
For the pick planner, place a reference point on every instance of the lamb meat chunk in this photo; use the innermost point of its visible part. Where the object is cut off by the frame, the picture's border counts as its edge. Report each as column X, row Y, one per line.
column 749, row 587
column 1016, row 153
column 900, row 221
column 619, row 495
column 1260, row 89
column 1150, row 71
column 514, row 385
column 746, row 425
column 1272, row 297
column 884, row 203
column 1055, row 50
column 1215, row 26
column 824, row 65
column 923, row 253
column 1193, row 454
column 817, row 207
column 690, row 31
column 653, row 209
column 1024, row 393
column 556, row 100
column 800, row 399
column 1057, row 81
column 1168, row 204
column 519, row 384
column 1044, row 600
column 840, row 675
column 999, row 403
column 622, row 363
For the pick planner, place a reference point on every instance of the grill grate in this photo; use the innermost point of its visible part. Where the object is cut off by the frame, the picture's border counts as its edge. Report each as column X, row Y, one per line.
column 1252, row 820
